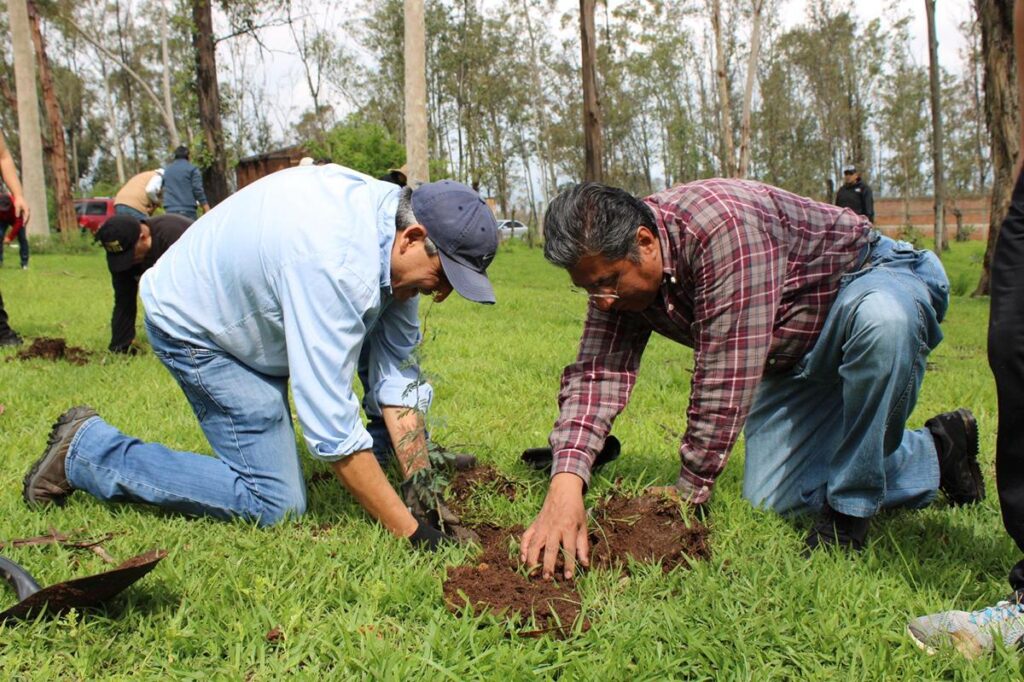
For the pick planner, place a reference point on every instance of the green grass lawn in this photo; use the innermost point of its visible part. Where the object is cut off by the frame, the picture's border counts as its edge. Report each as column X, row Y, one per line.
column 352, row 601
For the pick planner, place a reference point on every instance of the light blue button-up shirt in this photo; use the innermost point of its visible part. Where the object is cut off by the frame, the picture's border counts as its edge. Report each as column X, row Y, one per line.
column 291, row 275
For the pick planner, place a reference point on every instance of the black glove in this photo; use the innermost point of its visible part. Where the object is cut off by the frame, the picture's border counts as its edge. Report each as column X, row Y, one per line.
column 426, row 537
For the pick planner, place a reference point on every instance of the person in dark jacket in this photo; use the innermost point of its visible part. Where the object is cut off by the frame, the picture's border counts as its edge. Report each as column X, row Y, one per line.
column 133, row 246
column 183, row 186
column 855, row 194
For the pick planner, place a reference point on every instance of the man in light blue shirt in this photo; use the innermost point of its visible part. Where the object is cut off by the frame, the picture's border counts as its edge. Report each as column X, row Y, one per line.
column 294, row 276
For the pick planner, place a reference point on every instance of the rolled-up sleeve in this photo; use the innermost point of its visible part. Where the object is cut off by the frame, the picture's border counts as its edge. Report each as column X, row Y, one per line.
column 323, row 315
column 392, row 372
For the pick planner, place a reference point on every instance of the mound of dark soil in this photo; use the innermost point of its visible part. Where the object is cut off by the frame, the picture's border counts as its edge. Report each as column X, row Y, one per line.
column 54, row 349
column 646, row 529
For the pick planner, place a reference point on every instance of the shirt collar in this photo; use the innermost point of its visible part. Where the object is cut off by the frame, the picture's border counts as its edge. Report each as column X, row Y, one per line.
column 386, row 234
column 668, row 238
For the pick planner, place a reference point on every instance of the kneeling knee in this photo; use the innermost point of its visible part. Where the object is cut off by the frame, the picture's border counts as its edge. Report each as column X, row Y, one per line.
column 271, row 513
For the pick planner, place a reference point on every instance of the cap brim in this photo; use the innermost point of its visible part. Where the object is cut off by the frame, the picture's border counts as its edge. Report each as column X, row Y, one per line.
column 119, row 262
column 470, row 284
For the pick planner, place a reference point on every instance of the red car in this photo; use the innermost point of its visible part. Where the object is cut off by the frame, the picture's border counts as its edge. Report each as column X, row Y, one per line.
column 93, row 212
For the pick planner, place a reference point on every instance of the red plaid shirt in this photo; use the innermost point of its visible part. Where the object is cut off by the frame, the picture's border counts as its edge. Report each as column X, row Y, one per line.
column 750, row 272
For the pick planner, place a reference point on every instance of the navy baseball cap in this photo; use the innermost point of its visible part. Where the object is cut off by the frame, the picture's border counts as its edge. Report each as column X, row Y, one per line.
column 118, row 235
column 462, row 226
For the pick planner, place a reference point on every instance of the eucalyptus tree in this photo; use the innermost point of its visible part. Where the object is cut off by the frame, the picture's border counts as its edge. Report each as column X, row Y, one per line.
column 1002, row 111
column 904, row 118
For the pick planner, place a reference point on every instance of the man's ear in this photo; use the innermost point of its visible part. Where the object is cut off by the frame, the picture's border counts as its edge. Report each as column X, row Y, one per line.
column 646, row 239
column 411, row 235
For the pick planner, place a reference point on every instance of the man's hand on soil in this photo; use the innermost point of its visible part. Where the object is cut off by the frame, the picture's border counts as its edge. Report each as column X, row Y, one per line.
column 561, row 523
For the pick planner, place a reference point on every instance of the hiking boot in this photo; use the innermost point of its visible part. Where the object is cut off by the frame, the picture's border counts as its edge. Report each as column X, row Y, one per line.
column 541, row 458
column 971, row 633
column 46, row 482
column 837, row 530
column 956, row 441
column 11, row 338
column 458, row 461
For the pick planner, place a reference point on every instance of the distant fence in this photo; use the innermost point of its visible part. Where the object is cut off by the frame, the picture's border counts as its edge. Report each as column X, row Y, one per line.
column 891, row 215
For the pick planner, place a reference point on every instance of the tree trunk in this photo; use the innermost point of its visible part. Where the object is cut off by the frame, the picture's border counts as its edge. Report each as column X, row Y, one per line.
column 168, row 108
column 593, row 170
column 416, row 93
column 215, row 178
column 57, row 151
column 724, row 105
column 748, row 90
column 108, row 100
column 1001, row 113
column 32, row 176
column 543, row 127
column 933, row 70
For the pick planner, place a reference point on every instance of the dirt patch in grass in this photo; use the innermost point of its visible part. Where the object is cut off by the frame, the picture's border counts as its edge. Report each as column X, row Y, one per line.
column 472, row 482
column 47, row 348
column 494, row 586
column 646, row 529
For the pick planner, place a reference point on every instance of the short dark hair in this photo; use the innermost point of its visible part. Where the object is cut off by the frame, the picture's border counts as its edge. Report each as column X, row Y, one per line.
column 181, row 152
column 593, row 219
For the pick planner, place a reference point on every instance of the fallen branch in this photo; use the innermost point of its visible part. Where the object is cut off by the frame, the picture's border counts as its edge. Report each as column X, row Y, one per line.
column 55, row 537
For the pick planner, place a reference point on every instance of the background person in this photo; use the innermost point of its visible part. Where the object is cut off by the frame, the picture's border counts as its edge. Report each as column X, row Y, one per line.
column 183, row 186
column 810, row 332
column 134, row 246
column 10, row 220
column 855, row 194
column 9, row 175
column 140, row 196
column 240, row 308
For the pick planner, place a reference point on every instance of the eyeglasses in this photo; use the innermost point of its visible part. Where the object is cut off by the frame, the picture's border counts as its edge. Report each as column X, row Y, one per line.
column 604, row 289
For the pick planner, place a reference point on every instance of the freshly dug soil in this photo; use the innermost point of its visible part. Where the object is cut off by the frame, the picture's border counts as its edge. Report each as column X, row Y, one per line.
column 646, row 529
column 54, row 349
column 493, row 585
column 468, row 483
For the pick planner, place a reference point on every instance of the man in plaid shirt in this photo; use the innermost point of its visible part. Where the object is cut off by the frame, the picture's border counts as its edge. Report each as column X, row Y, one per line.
column 810, row 332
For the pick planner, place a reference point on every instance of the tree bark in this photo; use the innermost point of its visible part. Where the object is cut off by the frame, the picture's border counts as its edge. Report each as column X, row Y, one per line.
column 593, row 170
column 56, row 149
column 1001, row 114
column 724, row 105
column 215, row 179
column 937, row 165
column 416, row 93
column 29, row 134
column 748, row 90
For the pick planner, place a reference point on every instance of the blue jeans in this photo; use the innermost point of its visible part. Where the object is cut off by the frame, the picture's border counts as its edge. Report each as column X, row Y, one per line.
column 833, row 428
column 122, row 209
column 244, row 414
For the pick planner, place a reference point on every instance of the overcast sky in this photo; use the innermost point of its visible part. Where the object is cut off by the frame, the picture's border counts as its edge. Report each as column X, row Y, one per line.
column 283, row 79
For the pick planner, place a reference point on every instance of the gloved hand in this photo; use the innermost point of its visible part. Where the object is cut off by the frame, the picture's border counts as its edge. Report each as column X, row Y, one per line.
column 430, row 508
column 427, row 538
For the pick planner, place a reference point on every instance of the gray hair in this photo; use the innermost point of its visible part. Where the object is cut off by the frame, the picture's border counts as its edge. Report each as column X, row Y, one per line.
column 404, row 217
column 593, row 219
